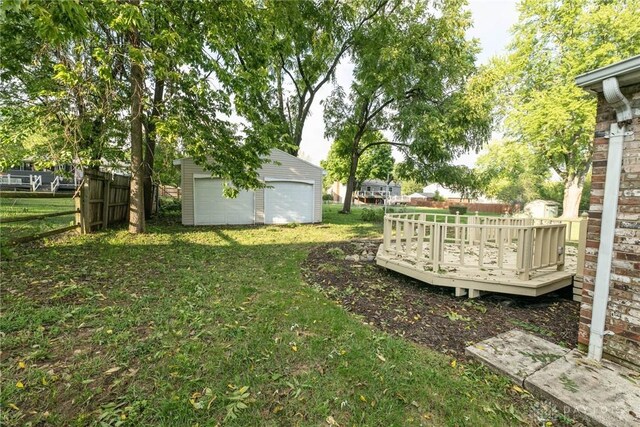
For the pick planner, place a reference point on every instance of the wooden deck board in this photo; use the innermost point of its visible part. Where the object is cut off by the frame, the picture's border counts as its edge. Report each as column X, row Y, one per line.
column 475, row 278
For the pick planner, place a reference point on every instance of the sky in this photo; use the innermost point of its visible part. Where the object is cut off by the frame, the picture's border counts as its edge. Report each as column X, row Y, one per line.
column 492, row 20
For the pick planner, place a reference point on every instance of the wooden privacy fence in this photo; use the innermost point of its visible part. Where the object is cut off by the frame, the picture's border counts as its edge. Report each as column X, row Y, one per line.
column 102, row 199
column 468, row 242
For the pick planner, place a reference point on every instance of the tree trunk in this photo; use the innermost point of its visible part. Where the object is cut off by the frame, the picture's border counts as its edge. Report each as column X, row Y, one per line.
column 572, row 193
column 351, row 183
column 136, row 196
column 150, row 148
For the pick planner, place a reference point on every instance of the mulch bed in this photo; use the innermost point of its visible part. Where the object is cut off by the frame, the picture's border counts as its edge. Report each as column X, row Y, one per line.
column 432, row 315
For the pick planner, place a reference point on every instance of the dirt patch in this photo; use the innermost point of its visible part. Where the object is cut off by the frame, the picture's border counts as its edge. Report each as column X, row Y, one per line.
column 432, row 315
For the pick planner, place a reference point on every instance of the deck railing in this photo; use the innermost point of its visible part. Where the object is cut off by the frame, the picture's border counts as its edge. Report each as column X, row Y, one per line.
column 423, row 238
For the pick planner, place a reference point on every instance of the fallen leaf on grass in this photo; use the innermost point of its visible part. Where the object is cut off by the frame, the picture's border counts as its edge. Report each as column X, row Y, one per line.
column 22, row 365
column 13, row 406
column 331, row 421
column 112, row 370
column 19, row 384
column 381, row 357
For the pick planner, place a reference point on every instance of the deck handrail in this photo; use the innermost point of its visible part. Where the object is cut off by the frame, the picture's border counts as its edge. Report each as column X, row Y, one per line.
column 574, row 225
column 537, row 246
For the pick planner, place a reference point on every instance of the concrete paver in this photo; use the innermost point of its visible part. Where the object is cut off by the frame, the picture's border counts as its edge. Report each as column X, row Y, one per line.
column 596, row 393
column 516, row 354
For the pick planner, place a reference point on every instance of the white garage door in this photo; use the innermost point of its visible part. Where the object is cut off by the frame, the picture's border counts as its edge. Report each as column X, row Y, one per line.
column 288, row 202
column 212, row 208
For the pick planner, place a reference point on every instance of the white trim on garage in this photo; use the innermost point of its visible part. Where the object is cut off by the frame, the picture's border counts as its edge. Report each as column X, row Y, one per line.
column 310, row 183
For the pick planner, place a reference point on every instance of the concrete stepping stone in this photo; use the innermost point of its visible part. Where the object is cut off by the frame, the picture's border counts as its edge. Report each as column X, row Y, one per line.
column 516, row 354
column 597, row 393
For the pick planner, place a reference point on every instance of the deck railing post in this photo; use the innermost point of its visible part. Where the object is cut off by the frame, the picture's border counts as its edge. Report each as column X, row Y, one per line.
column 387, row 234
column 582, row 243
column 524, row 253
column 561, row 245
column 419, row 244
column 500, row 247
column 435, row 244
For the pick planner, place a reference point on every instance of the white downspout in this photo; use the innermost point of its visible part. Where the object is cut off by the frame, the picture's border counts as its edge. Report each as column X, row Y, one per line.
column 609, row 212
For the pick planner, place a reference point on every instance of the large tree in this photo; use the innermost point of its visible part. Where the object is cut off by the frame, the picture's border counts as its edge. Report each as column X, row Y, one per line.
column 512, row 172
column 375, row 163
column 410, row 80
column 553, row 42
column 70, row 72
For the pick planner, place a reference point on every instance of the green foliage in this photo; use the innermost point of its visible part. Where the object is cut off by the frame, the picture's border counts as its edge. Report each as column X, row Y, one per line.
column 372, row 214
column 437, row 197
column 554, row 42
column 375, row 163
column 410, row 186
column 551, row 190
column 169, row 204
column 586, row 194
column 429, row 105
column 512, row 172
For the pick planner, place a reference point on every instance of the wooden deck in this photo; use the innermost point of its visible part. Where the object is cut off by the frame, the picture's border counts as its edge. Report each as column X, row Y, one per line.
column 493, row 255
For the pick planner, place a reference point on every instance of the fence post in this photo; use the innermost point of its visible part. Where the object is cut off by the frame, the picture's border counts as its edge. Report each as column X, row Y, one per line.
column 77, row 202
column 85, row 205
column 106, row 198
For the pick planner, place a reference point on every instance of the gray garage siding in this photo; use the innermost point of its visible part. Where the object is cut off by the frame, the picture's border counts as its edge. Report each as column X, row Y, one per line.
column 288, row 167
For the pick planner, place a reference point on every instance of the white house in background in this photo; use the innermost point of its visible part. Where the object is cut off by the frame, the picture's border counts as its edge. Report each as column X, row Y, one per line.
column 442, row 191
column 371, row 188
column 294, row 194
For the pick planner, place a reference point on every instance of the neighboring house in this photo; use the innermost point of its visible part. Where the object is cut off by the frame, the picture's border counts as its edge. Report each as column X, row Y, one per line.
column 421, row 195
column 294, row 194
column 442, row 191
column 26, row 178
column 610, row 311
column 370, row 189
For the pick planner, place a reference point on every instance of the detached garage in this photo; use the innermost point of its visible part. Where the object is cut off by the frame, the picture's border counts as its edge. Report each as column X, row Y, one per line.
column 294, row 194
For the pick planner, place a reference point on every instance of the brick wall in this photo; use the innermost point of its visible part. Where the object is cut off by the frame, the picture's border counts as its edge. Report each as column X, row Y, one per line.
column 623, row 312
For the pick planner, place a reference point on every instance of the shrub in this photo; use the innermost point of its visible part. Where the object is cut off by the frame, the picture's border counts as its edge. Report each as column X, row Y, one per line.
column 372, row 214
column 327, row 197
column 457, row 208
column 438, row 197
column 170, row 205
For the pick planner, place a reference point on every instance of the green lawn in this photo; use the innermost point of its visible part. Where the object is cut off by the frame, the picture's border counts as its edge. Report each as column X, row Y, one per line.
column 200, row 326
column 10, row 208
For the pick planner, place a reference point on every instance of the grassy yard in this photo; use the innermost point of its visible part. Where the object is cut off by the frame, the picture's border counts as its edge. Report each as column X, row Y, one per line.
column 200, row 326
column 10, row 207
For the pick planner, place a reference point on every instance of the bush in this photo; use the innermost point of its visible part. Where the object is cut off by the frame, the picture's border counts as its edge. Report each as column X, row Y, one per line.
column 438, row 198
column 372, row 214
column 327, row 197
column 459, row 209
column 170, row 205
